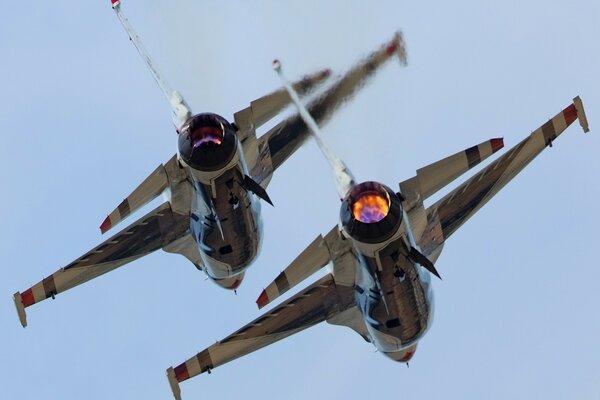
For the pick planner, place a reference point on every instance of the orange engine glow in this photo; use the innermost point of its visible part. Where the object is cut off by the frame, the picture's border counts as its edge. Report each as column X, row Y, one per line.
column 370, row 207
column 207, row 134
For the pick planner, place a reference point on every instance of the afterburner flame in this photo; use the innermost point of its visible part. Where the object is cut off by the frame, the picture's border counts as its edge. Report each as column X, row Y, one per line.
column 206, row 134
column 370, row 207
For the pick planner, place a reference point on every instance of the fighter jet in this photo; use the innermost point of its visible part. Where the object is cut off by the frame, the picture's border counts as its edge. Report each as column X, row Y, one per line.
column 213, row 183
column 382, row 253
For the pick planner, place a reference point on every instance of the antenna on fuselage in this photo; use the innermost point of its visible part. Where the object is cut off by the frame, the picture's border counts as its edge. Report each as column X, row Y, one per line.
column 180, row 111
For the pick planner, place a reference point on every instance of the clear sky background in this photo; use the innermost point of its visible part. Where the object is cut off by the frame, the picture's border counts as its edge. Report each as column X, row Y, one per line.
column 83, row 124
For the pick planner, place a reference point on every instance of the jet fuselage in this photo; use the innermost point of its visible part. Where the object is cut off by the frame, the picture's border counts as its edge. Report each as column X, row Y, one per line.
column 225, row 215
column 393, row 291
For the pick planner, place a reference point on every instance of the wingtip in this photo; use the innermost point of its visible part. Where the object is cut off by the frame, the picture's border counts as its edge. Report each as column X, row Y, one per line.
column 398, row 47
column 174, row 383
column 581, row 114
column 262, row 300
column 497, row 144
column 106, row 225
column 276, row 65
column 20, row 308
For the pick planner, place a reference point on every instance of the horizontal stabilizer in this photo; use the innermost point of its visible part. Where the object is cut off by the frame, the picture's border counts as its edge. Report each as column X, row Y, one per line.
column 147, row 191
column 435, row 176
column 313, row 258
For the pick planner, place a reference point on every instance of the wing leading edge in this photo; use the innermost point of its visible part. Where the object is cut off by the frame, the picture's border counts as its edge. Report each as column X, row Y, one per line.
column 153, row 231
column 318, row 302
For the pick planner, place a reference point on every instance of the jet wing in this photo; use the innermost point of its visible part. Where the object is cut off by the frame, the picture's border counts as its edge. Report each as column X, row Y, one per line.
column 318, row 302
column 279, row 143
column 453, row 210
column 153, row 231
column 265, row 108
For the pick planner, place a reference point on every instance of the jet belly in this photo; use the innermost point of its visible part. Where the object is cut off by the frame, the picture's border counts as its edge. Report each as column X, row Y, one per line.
column 226, row 224
column 396, row 298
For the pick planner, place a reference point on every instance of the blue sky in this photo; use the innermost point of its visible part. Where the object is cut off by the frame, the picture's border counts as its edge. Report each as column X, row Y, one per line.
column 83, row 123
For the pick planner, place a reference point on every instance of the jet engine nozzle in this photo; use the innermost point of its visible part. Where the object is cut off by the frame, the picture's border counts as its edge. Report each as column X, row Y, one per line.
column 371, row 212
column 207, row 142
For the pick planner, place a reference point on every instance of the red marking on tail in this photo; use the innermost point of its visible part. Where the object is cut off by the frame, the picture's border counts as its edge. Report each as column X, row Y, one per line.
column 570, row 114
column 27, row 298
column 497, row 144
column 263, row 299
column 106, row 225
column 181, row 373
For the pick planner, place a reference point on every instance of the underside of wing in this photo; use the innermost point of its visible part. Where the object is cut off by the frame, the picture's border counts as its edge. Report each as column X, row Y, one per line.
column 320, row 301
column 155, row 230
column 453, row 210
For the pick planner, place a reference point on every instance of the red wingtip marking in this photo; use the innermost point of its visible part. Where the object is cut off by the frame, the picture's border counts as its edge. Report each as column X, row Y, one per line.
column 570, row 114
column 181, row 373
column 497, row 144
column 27, row 298
column 263, row 299
column 391, row 49
column 106, row 225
